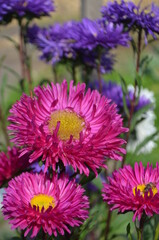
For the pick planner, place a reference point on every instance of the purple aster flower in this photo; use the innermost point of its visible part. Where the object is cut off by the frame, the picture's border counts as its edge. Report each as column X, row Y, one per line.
column 54, row 42
column 90, row 34
column 114, row 92
column 132, row 16
column 58, row 44
column 24, row 8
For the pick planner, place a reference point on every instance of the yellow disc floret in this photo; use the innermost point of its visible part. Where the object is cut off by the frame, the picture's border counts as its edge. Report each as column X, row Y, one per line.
column 146, row 188
column 42, row 200
column 70, row 124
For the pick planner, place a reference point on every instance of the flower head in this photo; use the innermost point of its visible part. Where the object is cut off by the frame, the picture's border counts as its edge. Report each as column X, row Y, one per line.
column 59, row 43
column 54, row 42
column 80, row 129
column 11, row 163
column 24, row 8
column 140, row 194
column 32, row 202
column 90, row 34
column 133, row 16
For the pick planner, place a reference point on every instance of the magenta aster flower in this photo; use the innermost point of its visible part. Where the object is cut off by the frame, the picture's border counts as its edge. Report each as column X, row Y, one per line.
column 11, row 164
column 80, row 129
column 134, row 190
column 32, row 202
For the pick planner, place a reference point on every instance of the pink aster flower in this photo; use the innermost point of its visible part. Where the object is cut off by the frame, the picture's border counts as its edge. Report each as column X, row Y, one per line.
column 33, row 201
column 79, row 128
column 11, row 164
column 134, row 190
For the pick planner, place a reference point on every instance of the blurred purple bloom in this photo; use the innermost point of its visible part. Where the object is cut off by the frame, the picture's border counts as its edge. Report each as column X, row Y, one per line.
column 24, row 8
column 132, row 16
column 58, row 43
column 54, row 42
column 36, row 168
column 90, row 34
column 114, row 92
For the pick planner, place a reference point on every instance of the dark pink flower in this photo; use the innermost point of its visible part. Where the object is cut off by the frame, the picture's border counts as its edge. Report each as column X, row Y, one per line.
column 33, row 201
column 11, row 164
column 78, row 128
column 134, row 190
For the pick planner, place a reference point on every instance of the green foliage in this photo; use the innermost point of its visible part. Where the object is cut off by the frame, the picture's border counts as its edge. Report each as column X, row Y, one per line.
column 137, row 115
column 125, row 93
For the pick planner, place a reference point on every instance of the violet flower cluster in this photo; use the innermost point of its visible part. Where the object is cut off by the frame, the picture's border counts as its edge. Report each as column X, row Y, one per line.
column 133, row 16
column 24, row 8
column 79, row 41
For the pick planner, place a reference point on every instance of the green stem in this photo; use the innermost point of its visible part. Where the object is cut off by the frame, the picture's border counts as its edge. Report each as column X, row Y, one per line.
column 21, row 53
column 99, row 72
column 55, row 74
column 108, row 223
column 109, row 216
column 140, row 228
column 25, row 66
column 4, row 128
column 28, row 68
column 133, row 102
column 44, row 236
column 74, row 74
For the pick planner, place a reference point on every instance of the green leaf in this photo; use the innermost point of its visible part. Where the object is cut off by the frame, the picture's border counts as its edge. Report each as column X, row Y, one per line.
column 139, row 85
column 128, row 228
column 85, row 179
column 125, row 94
column 44, row 81
column 145, row 141
column 12, row 41
column 12, row 71
column 2, row 89
column 134, row 47
column 14, row 88
column 2, row 59
column 97, row 215
column 138, row 115
column 157, row 232
column 144, row 64
column 15, row 238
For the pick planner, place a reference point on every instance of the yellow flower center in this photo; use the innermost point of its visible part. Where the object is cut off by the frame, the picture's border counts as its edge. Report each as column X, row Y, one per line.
column 42, row 200
column 146, row 188
column 25, row 4
column 70, row 124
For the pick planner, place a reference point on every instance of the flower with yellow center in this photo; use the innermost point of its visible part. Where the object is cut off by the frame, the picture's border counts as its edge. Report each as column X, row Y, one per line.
column 70, row 124
column 80, row 128
column 53, row 205
column 145, row 188
column 42, row 201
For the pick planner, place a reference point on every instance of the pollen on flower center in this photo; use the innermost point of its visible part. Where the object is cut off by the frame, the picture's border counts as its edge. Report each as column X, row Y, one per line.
column 25, row 4
column 146, row 188
column 70, row 124
column 42, row 200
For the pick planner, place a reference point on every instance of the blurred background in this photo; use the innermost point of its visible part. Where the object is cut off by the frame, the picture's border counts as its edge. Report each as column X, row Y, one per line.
column 125, row 65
